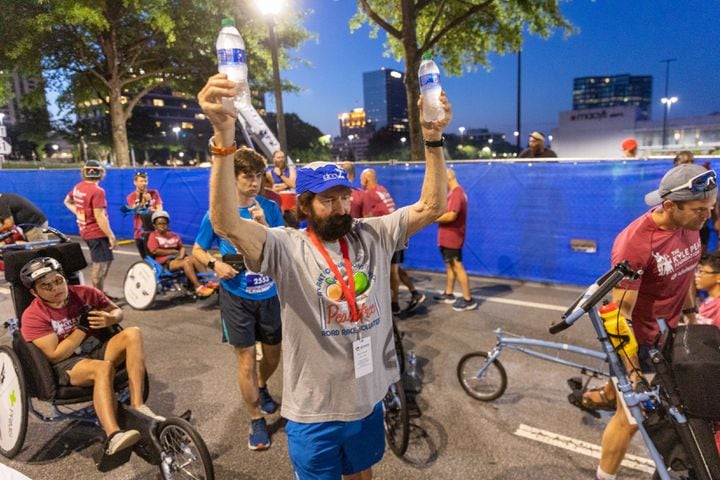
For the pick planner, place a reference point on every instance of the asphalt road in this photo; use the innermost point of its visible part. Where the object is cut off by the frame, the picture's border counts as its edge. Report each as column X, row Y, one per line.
column 531, row 432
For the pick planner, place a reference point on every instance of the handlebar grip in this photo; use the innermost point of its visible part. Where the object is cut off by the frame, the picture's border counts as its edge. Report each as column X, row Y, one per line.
column 558, row 327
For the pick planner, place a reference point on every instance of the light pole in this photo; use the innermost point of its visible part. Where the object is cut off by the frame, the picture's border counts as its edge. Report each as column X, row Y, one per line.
column 667, row 101
column 462, row 133
column 271, row 8
column 2, row 116
column 177, row 133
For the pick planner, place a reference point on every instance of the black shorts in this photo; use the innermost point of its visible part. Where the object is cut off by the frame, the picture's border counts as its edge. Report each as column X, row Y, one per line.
column 99, row 250
column 246, row 321
column 62, row 367
column 449, row 255
column 398, row 257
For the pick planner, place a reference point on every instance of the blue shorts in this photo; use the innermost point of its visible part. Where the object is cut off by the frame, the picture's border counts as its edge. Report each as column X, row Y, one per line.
column 328, row 450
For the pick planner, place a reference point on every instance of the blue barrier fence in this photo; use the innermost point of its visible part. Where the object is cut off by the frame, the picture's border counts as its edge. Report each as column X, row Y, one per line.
column 522, row 216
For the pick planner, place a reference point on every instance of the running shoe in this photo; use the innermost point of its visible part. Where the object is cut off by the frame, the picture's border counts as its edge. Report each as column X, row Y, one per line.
column 267, row 404
column 145, row 410
column 417, row 299
column 121, row 440
column 204, row 291
column 259, row 438
column 395, row 308
column 462, row 305
column 445, row 298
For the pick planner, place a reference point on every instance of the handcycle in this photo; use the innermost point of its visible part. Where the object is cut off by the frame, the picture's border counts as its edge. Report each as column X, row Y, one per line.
column 27, row 375
column 659, row 411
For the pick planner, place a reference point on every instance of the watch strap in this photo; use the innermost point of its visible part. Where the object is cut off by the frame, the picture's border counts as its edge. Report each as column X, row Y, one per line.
column 435, row 143
column 221, row 151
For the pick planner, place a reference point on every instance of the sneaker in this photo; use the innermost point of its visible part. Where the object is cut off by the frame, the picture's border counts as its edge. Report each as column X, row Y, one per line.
column 395, row 308
column 145, row 410
column 259, row 438
column 213, row 285
column 445, row 298
column 121, row 440
column 267, row 404
column 203, row 291
column 417, row 299
column 461, row 304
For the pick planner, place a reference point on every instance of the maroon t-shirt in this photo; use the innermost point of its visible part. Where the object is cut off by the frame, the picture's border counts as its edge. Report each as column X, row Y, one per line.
column 86, row 196
column 356, row 203
column 150, row 204
column 377, row 202
column 167, row 240
column 39, row 320
column 710, row 312
column 668, row 259
column 452, row 234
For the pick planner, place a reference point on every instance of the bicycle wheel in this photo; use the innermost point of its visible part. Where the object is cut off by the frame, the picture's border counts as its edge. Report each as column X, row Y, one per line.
column 399, row 350
column 490, row 385
column 13, row 404
column 183, row 453
column 397, row 421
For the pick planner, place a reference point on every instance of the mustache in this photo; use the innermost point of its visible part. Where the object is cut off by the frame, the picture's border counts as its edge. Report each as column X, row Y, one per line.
column 332, row 228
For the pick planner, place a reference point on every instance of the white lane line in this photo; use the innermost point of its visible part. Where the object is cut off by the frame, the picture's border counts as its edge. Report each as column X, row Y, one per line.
column 578, row 446
column 119, row 252
column 521, row 303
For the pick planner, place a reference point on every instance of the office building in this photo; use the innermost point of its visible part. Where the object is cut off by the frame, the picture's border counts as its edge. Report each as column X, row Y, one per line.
column 385, row 99
column 614, row 91
column 20, row 86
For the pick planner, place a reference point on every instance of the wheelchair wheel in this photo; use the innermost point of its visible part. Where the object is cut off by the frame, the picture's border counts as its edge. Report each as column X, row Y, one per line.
column 399, row 349
column 490, row 385
column 13, row 404
column 183, row 453
column 397, row 420
column 140, row 286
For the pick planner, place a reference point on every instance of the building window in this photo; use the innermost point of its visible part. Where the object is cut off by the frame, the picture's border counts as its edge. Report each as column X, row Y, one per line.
column 187, row 125
column 158, row 102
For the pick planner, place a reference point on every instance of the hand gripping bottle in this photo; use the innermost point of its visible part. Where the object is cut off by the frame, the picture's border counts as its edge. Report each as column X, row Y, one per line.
column 617, row 328
column 232, row 61
column 429, row 76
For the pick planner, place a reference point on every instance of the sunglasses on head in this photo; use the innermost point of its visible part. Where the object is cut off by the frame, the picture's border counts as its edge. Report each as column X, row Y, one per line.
column 141, row 174
column 704, row 182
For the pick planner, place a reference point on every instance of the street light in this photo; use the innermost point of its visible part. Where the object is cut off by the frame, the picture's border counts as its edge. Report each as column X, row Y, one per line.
column 177, row 133
column 667, row 101
column 271, row 8
column 462, row 132
column 2, row 115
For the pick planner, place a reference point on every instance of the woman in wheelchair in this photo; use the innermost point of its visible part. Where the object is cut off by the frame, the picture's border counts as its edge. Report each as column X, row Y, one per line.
column 167, row 249
column 66, row 323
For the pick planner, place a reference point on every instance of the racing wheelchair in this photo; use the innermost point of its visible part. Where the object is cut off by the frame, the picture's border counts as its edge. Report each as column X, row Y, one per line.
column 26, row 375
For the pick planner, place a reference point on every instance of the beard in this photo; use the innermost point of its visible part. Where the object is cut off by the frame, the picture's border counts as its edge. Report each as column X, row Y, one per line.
column 331, row 228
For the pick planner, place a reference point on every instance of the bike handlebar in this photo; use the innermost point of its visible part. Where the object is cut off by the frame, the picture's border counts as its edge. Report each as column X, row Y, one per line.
column 594, row 294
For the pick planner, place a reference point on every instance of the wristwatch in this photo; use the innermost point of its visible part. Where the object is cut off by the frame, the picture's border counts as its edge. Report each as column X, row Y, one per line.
column 690, row 310
column 435, row 143
column 211, row 265
column 221, row 151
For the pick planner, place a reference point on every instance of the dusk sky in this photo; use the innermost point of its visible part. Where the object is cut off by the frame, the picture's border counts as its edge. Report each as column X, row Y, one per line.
column 614, row 37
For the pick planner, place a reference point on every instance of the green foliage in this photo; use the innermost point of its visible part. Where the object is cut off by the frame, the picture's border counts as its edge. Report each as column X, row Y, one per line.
column 303, row 139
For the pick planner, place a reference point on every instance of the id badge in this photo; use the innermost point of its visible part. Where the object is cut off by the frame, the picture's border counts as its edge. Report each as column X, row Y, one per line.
column 362, row 353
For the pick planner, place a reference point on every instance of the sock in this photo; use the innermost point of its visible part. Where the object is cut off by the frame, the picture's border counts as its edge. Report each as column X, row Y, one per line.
column 601, row 475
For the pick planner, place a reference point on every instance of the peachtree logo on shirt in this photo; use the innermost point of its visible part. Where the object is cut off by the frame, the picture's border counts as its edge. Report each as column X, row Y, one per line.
column 334, row 310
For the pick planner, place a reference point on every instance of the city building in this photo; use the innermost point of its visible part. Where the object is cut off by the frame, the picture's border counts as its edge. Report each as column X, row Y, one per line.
column 20, row 86
column 355, row 123
column 385, row 99
column 614, row 91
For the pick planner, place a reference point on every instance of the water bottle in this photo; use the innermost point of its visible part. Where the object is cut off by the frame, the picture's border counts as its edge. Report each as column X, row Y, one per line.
column 617, row 328
column 232, row 61
column 429, row 76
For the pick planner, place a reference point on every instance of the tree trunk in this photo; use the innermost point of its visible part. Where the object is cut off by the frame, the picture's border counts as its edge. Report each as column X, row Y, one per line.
column 119, row 129
column 412, row 85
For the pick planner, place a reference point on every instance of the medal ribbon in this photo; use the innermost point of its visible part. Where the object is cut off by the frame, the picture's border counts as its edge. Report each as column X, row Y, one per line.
column 348, row 288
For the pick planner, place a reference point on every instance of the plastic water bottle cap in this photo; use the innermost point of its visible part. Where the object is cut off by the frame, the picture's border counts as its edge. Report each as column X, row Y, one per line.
column 427, row 56
column 228, row 22
column 609, row 307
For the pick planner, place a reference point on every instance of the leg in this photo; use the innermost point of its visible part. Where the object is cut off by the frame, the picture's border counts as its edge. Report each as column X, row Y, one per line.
column 247, row 379
column 269, row 363
column 462, row 278
column 405, row 279
column 615, row 441
column 128, row 346
column 100, row 374
column 99, row 273
column 450, row 282
column 187, row 267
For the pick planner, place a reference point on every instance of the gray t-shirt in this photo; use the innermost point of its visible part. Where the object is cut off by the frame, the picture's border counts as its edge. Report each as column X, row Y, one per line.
column 319, row 383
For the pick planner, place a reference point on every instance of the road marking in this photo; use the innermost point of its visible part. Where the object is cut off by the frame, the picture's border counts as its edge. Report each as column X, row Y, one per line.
column 521, row 303
column 120, row 252
column 578, row 446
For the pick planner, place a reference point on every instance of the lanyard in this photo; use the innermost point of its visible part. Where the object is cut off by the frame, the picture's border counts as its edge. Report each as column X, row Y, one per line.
column 348, row 288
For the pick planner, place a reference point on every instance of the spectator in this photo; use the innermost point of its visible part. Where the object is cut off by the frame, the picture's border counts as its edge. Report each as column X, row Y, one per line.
column 266, row 189
column 249, row 306
column 685, row 156
column 451, row 237
column 338, row 356
column 283, row 175
column 377, row 202
column 537, row 148
column 629, row 148
column 87, row 202
column 167, row 249
column 707, row 277
column 17, row 210
column 144, row 201
column 66, row 323
column 356, row 203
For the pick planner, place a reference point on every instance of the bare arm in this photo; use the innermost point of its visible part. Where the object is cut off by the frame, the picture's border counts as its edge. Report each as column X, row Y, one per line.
column 246, row 235
column 68, row 202
column 56, row 351
column 104, row 224
column 626, row 299
column 690, row 303
column 447, row 217
column 433, row 199
column 222, row 269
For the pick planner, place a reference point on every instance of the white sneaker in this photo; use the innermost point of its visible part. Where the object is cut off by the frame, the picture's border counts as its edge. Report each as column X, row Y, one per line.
column 145, row 410
column 121, row 440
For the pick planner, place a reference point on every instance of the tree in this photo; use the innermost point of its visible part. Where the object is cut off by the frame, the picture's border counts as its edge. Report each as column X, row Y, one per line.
column 115, row 51
column 460, row 33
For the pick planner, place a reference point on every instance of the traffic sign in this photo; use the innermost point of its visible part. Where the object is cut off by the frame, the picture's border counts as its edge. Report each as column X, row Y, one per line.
column 3, row 132
column 5, row 147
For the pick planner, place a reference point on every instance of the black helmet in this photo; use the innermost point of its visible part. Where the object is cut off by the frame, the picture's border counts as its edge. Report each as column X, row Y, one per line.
column 37, row 268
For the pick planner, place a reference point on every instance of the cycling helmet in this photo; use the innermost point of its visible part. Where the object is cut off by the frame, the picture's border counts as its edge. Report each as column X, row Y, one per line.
column 93, row 170
column 160, row 214
column 37, row 268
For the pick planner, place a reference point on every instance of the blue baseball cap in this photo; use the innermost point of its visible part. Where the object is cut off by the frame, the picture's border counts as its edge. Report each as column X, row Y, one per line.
column 317, row 177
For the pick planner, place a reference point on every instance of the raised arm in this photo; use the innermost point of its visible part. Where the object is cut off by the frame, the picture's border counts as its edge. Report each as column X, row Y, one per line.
column 433, row 197
column 246, row 235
